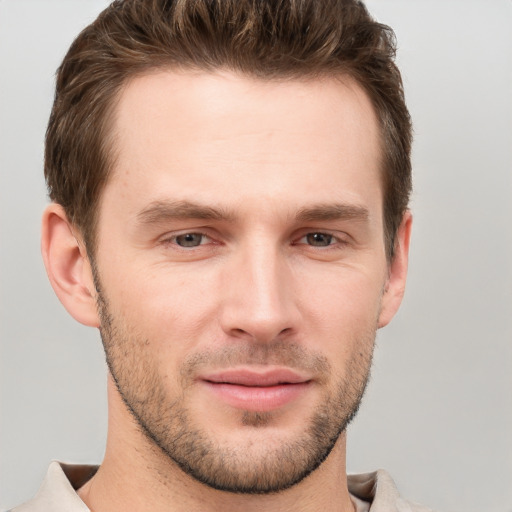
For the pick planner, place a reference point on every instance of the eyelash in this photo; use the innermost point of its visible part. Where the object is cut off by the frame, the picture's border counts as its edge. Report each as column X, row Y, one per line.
column 172, row 240
column 334, row 241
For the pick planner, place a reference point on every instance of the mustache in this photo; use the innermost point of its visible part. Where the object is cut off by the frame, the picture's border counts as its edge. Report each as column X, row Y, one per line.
column 278, row 353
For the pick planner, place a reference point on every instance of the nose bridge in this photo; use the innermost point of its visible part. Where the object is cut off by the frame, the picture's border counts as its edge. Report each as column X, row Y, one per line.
column 259, row 302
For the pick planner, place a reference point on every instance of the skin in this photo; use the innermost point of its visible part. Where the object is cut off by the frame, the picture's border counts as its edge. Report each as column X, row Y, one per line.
column 290, row 273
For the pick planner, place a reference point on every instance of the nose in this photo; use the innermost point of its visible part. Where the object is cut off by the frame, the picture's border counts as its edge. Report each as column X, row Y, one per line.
column 259, row 299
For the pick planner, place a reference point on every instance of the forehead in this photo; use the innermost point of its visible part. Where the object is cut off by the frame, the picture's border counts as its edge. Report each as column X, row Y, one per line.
column 204, row 134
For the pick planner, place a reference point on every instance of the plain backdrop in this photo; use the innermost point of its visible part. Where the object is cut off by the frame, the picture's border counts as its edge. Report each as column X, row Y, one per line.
column 438, row 412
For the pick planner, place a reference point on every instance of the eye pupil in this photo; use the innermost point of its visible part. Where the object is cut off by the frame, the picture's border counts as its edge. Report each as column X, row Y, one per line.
column 189, row 239
column 319, row 239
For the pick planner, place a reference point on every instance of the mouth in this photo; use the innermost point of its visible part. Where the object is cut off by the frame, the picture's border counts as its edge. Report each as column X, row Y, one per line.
column 256, row 391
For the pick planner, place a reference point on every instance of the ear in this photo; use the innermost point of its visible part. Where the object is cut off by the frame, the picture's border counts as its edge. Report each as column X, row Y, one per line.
column 395, row 284
column 68, row 266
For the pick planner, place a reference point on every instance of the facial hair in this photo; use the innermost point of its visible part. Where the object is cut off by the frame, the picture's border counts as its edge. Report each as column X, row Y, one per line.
column 248, row 469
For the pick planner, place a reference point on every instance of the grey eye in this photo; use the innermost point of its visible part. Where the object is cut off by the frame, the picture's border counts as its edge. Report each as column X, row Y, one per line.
column 319, row 239
column 189, row 239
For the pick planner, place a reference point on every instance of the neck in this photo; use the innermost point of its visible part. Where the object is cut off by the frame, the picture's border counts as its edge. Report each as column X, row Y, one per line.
column 135, row 475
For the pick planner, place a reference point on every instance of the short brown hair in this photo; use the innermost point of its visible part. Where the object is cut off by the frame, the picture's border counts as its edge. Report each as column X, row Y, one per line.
column 267, row 39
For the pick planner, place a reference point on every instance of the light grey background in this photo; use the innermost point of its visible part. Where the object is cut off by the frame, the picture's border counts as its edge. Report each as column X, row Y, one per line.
column 438, row 414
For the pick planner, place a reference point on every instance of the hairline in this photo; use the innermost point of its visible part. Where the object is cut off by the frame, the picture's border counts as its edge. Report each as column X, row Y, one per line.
column 344, row 75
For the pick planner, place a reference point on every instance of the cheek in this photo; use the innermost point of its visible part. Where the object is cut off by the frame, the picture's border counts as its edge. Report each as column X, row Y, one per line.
column 166, row 307
column 341, row 310
column 348, row 294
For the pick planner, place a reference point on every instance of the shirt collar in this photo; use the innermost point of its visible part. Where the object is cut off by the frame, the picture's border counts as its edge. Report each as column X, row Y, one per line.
column 58, row 490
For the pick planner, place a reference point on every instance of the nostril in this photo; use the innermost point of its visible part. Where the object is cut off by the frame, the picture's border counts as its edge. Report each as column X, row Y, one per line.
column 261, row 334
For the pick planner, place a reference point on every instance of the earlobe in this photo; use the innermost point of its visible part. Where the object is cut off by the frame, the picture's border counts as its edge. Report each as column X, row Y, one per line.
column 68, row 266
column 395, row 285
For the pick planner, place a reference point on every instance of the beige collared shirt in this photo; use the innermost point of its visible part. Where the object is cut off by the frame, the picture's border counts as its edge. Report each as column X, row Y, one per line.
column 370, row 492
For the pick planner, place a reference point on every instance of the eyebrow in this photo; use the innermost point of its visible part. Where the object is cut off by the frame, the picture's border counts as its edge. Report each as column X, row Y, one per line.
column 164, row 211
column 338, row 211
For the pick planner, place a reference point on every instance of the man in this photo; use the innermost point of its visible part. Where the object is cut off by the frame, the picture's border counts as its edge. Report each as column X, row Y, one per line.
column 230, row 182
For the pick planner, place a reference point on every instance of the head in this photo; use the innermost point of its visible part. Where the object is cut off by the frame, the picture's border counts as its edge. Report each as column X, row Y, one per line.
column 232, row 181
column 267, row 40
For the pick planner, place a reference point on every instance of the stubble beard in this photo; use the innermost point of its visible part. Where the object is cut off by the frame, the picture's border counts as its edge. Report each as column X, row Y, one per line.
column 244, row 469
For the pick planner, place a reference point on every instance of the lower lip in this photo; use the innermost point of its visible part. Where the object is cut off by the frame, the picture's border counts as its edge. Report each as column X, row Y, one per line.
column 257, row 399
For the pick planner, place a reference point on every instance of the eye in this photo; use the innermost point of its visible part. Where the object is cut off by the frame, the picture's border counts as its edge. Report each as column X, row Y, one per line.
column 190, row 239
column 319, row 239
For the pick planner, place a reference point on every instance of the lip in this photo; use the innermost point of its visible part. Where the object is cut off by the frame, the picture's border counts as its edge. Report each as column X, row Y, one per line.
column 257, row 391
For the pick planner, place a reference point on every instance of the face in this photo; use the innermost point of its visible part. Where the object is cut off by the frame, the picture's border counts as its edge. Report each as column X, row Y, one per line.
column 241, row 270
